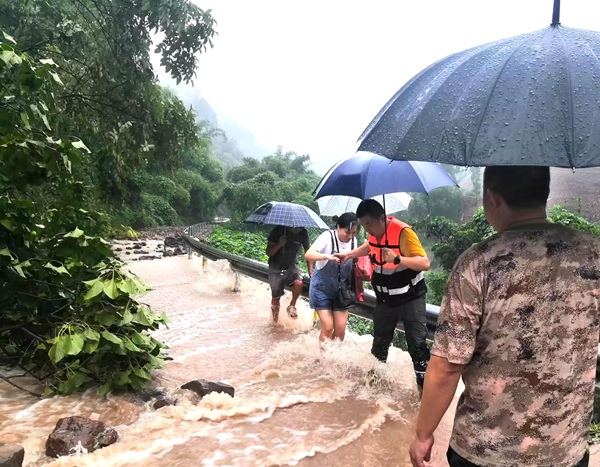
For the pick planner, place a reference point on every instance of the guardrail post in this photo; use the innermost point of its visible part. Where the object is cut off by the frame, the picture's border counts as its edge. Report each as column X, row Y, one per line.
column 189, row 252
column 238, row 283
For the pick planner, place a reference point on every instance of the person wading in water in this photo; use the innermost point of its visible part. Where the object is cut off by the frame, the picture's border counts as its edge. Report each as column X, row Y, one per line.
column 329, row 275
column 398, row 282
column 282, row 249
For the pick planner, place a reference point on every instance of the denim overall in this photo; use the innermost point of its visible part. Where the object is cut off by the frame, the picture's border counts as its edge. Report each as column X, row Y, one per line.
column 324, row 283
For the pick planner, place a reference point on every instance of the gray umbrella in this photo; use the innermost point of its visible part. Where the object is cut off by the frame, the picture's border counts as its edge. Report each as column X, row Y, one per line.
column 532, row 99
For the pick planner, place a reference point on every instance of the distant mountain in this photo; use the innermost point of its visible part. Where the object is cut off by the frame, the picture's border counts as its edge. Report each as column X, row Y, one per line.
column 236, row 143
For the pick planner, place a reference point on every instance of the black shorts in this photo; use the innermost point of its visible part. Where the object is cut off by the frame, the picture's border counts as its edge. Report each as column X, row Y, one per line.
column 279, row 280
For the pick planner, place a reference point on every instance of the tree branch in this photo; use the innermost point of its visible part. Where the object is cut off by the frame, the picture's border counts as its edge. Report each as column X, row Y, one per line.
column 34, row 394
column 105, row 104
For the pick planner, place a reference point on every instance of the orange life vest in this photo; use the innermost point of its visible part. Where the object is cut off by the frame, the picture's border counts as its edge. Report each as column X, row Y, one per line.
column 390, row 240
column 393, row 283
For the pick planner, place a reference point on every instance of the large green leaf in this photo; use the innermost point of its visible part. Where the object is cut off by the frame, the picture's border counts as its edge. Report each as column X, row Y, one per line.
column 96, row 287
column 111, row 337
column 72, row 344
column 110, row 288
column 75, row 233
column 91, row 335
column 59, row 269
column 56, row 352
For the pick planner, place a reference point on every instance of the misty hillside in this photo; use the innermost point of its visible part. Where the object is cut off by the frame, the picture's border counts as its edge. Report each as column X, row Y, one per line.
column 235, row 142
column 578, row 191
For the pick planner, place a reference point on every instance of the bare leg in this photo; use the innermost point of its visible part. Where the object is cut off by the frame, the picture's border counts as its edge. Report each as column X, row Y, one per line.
column 326, row 318
column 340, row 318
column 275, row 308
column 296, row 290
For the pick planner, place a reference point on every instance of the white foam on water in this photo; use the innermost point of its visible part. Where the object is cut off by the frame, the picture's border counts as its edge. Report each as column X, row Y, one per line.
column 295, row 398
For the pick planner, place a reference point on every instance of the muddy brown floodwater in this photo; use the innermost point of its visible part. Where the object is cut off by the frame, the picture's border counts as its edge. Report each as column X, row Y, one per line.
column 294, row 405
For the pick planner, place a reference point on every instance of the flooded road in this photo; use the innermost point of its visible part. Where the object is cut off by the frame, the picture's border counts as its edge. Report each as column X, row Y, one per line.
column 294, row 404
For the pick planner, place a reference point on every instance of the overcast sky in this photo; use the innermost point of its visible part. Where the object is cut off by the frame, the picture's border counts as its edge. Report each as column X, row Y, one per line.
column 311, row 75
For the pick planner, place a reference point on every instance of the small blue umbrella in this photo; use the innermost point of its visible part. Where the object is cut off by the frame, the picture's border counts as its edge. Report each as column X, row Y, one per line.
column 368, row 175
column 286, row 214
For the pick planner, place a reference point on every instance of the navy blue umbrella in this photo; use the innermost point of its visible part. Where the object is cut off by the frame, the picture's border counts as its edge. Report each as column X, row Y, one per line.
column 286, row 214
column 368, row 175
column 532, row 99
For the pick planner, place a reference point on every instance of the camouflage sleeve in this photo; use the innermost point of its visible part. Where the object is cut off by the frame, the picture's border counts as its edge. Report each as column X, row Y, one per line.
column 460, row 315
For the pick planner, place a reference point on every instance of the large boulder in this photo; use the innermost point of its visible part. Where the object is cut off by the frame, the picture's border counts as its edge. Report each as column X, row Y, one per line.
column 71, row 431
column 203, row 387
column 11, row 455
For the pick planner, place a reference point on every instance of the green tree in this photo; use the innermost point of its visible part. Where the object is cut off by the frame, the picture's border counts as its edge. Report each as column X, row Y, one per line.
column 283, row 176
column 67, row 315
column 110, row 97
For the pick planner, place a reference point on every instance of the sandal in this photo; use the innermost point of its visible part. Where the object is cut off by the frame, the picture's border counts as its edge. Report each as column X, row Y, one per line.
column 291, row 311
column 275, row 313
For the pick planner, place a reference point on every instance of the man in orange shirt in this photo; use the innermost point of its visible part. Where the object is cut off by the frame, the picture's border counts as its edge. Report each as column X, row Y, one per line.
column 398, row 263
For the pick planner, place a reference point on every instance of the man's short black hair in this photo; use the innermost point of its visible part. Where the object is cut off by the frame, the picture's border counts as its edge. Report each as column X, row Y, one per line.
column 521, row 186
column 371, row 208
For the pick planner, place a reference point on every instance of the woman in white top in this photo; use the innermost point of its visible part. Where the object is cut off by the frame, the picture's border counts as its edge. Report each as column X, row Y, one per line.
column 328, row 274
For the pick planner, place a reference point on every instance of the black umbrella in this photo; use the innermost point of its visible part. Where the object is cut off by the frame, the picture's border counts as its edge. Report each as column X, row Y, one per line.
column 532, row 99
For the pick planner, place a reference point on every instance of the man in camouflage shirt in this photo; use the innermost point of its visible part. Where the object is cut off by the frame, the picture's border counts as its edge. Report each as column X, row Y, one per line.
column 519, row 322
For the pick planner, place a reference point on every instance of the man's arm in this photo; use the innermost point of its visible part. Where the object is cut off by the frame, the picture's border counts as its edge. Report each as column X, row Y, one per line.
column 416, row 257
column 455, row 341
column 362, row 250
column 441, row 381
column 275, row 241
column 416, row 263
column 306, row 245
column 273, row 248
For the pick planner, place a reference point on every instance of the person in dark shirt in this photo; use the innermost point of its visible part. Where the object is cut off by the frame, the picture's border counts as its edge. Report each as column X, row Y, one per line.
column 282, row 250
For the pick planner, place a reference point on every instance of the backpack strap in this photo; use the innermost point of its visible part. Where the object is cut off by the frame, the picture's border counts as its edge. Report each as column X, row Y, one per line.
column 332, row 242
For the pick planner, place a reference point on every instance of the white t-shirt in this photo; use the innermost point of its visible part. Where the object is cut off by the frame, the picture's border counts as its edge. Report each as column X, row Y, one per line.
column 323, row 245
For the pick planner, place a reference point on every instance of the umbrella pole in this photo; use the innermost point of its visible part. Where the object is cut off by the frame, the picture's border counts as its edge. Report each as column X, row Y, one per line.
column 385, row 220
column 556, row 13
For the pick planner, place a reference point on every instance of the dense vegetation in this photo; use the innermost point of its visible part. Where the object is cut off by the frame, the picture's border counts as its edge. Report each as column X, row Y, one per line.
column 449, row 239
column 67, row 316
column 91, row 144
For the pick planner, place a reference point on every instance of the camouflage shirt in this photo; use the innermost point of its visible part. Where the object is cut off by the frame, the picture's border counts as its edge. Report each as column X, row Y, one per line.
column 521, row 312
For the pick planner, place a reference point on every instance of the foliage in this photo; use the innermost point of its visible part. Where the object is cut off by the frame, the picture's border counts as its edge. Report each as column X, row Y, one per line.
column 436, row 285
column 363, row 326
column 109, row 95
column 567, row 218
column 453, row 239
column 239, row 241
column 67, row 315
column 447, row 201
column 283, row 176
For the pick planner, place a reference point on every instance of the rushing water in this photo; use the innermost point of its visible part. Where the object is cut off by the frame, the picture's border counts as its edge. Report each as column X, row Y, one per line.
column 295, row 403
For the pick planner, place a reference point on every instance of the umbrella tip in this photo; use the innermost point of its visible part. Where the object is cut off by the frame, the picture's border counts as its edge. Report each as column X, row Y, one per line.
column 556, row 14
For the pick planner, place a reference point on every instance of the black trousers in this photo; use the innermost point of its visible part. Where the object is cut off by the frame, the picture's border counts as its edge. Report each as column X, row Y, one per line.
column 454, row 460
column 412, row 314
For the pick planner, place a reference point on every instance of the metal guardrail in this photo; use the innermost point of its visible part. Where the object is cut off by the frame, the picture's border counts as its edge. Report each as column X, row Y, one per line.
column 259, row 271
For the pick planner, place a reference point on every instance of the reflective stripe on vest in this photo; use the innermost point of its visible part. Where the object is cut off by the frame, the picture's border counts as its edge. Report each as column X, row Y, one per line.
column 401, row 290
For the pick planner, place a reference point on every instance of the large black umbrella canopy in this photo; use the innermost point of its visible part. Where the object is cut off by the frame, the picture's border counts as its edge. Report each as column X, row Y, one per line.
column 532, row 99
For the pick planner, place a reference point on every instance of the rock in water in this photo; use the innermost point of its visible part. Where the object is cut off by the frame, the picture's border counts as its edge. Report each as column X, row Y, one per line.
column 11, row 455
column 173, row 242
column 71, row 431
column 163, row 402
column 203, row 387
